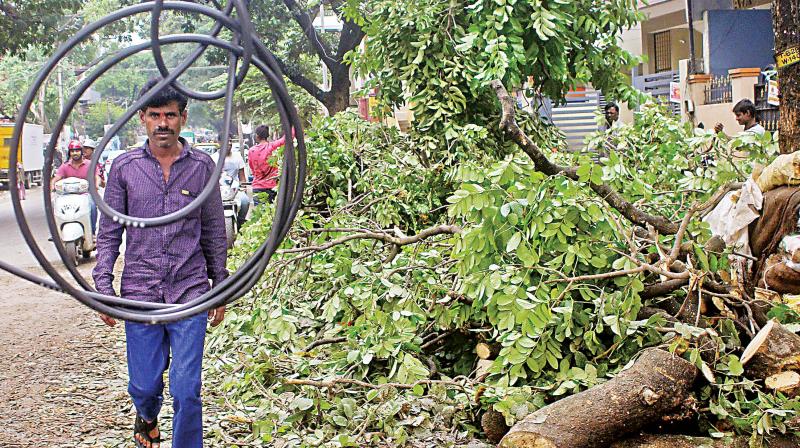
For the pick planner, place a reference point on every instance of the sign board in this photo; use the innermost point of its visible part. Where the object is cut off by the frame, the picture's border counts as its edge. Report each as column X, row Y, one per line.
column 674, row 92
column 773, row 94
column 788, row 57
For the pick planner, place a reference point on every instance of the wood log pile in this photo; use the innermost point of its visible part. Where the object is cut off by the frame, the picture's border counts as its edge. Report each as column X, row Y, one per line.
column 660, row 384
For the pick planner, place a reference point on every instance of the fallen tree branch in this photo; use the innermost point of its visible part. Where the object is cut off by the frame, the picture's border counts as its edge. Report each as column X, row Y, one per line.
column 509, row 126
column 324, row 341
column 387, row 238
column 351, row 382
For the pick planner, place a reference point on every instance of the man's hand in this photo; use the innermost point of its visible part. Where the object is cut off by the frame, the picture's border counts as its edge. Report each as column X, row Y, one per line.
column 718, row 128
column 108, row 320
column 216, row 316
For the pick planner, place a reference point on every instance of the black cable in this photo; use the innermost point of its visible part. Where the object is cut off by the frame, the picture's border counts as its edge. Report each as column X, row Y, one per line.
column 245, row 47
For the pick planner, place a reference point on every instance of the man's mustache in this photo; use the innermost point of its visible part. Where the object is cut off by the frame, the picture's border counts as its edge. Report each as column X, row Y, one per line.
column 164, row 131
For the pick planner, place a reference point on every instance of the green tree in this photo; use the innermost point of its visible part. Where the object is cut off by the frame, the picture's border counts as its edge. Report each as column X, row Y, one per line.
column 42, row 23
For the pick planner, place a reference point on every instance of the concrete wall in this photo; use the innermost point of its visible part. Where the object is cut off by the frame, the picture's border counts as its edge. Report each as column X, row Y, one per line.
column 741, row 38
column 679, row 41
column 711, row 114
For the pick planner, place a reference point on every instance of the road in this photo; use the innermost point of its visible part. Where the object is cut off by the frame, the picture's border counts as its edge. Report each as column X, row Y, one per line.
column 15, row 251
column 62, row 373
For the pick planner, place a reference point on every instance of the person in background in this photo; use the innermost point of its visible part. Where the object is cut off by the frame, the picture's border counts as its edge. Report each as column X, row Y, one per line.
column 21, row 181
column 611, row 113
column 234, row 167
column 265, row 172
column 745, row 112
column 77, row 166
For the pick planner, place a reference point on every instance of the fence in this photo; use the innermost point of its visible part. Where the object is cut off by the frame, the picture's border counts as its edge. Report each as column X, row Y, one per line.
column 719, row 90
column 657, row 85
column 766, row 113
column 576, row 119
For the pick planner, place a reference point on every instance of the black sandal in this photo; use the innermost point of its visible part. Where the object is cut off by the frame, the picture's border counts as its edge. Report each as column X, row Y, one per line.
column 142, row 428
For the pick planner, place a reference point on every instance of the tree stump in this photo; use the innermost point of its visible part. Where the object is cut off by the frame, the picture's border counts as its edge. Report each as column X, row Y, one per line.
column 772, row 350
column 657, row 383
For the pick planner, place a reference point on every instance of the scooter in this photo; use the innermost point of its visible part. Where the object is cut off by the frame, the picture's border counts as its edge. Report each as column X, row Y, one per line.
column 72, row 211
column 229, row 190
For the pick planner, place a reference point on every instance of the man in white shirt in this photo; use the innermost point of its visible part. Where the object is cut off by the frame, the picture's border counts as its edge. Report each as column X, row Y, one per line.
column 745, row 112
column 234, row 167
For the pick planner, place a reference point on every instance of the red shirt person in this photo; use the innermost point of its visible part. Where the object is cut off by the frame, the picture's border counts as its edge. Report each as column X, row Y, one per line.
column 265, row 174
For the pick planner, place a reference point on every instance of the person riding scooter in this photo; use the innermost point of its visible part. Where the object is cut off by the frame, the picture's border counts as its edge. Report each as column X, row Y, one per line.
column 77, row 166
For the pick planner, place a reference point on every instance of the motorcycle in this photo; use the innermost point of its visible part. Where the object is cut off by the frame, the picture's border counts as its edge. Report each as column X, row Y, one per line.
column 229, row 190
column 72, row 211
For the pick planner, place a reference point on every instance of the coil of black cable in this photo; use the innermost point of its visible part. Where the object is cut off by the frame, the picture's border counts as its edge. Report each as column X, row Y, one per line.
column 245, row 50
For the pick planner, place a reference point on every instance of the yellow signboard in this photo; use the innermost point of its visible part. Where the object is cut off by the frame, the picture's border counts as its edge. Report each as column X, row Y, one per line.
column 788, row 57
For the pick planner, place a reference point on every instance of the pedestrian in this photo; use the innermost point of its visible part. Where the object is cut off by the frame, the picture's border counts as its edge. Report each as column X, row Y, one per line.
column 165, row 264
column 265, row 170
column 233, row 166
column 21, row 181
column 745, row 112
column 611, row 114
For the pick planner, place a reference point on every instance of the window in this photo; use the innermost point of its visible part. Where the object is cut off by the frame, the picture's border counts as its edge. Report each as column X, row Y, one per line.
column 662, row 54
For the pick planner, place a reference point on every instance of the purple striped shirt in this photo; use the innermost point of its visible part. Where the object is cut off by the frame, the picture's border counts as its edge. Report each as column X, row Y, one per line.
column 171, row 263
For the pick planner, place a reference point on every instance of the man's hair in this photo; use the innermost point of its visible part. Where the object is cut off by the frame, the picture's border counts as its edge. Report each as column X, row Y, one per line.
column 609, row 105
column 262, row 132
column 745, row 106
column 164, row 96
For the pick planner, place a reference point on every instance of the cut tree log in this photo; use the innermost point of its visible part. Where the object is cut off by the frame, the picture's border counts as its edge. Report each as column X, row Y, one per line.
column 482, row 369
column 657, row 383
column 494, row 425
column 787, row 383
column 774, row 349
column 679, row 441
column 487, row 350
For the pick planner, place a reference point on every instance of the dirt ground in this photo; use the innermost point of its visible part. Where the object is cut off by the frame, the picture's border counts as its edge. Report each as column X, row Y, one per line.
column 63, row 376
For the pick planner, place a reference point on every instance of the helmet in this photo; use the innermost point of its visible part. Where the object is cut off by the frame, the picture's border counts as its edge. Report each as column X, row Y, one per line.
column 89, row 143
column 74, row 144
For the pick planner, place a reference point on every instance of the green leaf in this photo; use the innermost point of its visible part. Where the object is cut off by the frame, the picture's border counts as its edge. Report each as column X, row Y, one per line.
column 513, row 243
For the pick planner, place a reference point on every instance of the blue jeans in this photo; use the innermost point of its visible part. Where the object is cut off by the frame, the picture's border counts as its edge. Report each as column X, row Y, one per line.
column 244, row 206
column 93, row 214
column 149, row 348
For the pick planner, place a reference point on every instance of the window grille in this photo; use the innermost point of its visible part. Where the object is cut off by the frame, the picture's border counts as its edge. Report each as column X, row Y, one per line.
column 662, row 54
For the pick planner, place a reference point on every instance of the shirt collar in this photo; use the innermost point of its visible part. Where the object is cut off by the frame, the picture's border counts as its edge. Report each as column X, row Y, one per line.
column 83, row 162
column 185, row 148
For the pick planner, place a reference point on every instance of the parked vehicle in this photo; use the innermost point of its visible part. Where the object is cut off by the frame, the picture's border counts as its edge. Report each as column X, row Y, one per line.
column 72, row 212
column 189, row 136
column 208, row 148
column 229, row 189
column 30, row 154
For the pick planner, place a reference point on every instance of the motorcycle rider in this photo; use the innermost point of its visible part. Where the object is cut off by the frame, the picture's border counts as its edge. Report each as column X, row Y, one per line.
column 234, row 167
column 77, row 166
column 88, row 149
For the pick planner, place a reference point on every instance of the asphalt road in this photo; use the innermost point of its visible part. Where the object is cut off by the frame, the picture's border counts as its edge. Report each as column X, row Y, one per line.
column 14, row 249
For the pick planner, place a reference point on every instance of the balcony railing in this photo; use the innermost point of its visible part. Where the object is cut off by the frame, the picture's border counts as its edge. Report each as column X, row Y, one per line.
column 719, row 90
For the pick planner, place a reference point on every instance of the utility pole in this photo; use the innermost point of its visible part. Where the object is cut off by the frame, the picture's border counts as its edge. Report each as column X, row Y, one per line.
column 690, row 19
column 786, row 23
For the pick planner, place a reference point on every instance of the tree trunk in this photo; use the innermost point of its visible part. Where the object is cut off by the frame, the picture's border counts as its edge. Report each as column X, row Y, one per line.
column 658, row 383
column 786, row 22
column 678, row 441
column 773, row 350
column 337, row 99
